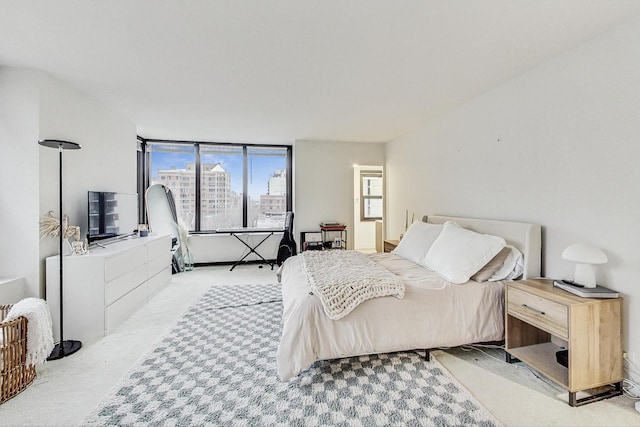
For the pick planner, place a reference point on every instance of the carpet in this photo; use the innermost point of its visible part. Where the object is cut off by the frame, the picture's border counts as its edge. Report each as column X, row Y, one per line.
column 216, row 366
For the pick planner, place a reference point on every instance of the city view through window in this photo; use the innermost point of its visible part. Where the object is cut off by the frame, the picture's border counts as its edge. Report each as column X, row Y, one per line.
column 222, row 182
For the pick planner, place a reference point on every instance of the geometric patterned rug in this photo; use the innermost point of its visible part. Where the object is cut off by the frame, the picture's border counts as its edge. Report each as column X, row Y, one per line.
column 216, row 366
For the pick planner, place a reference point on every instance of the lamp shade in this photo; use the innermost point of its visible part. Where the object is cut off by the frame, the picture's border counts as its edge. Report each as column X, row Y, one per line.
column 584, row 256
column 59, row 143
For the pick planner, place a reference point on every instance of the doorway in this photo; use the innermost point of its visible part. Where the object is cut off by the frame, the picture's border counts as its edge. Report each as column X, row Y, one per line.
column 368, row 207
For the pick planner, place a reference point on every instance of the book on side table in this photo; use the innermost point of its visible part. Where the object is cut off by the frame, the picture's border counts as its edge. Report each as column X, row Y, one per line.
column 332, row 226
column 581, row 291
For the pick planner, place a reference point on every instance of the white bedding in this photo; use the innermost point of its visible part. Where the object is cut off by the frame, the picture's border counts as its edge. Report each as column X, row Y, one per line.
column 433, row 313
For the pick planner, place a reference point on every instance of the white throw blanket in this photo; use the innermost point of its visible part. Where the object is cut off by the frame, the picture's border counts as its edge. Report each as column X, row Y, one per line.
column 344, row 279
column 39, row 328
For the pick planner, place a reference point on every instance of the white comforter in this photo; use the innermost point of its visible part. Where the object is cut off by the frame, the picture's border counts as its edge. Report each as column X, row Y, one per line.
column 433, row 313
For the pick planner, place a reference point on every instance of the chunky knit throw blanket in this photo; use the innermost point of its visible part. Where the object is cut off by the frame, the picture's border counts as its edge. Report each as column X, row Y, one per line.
column 39, row 328
column 343, row 279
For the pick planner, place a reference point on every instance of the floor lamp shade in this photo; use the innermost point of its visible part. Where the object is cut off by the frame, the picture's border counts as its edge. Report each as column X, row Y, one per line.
column 68, row 347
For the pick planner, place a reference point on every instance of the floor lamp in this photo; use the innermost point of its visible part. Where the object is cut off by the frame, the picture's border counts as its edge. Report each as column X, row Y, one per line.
column 63, row 348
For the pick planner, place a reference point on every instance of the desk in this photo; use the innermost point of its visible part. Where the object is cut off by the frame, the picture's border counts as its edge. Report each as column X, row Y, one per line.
column 236, row 232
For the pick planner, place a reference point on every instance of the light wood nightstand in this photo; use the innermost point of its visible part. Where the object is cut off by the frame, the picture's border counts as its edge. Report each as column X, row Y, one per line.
column 390, row 245
column 591, row 330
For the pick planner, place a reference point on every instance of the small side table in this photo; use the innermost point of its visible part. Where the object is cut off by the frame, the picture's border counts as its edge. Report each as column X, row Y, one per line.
column 334, row 236
column 390, row 245
column 591, row 330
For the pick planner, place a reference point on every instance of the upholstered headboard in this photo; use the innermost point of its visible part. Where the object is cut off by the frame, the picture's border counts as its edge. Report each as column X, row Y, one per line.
column 524, row 236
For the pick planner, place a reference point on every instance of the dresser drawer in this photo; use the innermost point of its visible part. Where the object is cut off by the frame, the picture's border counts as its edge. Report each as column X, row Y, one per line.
column 159, row 281
column 159, row 248
column 156, row 265
column 123, row 262
column 124, row 284
column 121, row 309
column 547, row 315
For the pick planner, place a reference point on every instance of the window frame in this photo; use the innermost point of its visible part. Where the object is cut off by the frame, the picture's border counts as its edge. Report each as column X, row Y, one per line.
column 144, row 175
column 368, row 174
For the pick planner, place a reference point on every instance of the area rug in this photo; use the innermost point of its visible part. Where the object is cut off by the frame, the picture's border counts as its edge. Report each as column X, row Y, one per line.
column 217, row 366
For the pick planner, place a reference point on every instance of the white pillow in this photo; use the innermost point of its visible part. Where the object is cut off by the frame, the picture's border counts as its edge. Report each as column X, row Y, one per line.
column 417, row 240
column 457, row 254
column 512, row 268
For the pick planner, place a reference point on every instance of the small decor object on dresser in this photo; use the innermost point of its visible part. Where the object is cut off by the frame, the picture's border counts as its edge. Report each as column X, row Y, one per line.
column 78, row 248
column 143, row 230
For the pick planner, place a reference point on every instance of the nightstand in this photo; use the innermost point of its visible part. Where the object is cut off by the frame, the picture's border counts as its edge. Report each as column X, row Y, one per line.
column 390, row 245
column 541, row 320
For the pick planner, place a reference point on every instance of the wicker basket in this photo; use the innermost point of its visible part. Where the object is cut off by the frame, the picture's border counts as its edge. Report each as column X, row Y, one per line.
column 16, row 375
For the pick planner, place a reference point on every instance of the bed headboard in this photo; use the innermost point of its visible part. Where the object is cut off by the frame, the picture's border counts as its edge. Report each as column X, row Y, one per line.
column 526, row 237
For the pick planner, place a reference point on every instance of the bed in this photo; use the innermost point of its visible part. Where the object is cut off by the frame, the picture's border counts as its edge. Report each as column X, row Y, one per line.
column 432, row 311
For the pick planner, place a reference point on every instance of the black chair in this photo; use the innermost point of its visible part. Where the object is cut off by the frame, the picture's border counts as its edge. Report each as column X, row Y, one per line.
column 288, row 246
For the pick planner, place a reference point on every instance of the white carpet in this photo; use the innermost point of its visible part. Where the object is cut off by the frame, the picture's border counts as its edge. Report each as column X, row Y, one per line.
column 518, row 404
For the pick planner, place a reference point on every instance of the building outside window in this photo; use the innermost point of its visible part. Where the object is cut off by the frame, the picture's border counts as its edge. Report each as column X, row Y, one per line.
column 221, row 168
column 266, row 180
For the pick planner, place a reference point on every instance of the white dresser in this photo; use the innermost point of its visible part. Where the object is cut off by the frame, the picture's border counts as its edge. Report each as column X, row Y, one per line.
column 105, row 286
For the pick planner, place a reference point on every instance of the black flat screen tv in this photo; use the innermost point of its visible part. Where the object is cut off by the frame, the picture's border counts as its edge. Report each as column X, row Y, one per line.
column 111, row 215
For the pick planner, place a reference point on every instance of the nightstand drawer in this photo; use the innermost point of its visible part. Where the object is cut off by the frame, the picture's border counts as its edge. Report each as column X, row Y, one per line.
column 537, row 311
column 390, row 245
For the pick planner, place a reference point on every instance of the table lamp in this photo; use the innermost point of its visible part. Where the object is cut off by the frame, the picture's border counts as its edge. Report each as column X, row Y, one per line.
column 584, row 256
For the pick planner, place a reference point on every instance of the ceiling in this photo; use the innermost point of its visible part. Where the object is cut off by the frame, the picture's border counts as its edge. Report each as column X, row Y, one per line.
column 281, row 70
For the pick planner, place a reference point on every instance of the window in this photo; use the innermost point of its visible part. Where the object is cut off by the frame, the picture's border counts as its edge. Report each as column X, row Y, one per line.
column 266, row 187
column 219, row 185
column 173, row 166
column 370, row 195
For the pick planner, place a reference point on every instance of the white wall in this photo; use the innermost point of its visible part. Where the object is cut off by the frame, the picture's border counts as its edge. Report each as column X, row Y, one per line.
column 558, row 146
column 19, row 177
column 106, row 161
column 37, row 106
column 323, row 182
